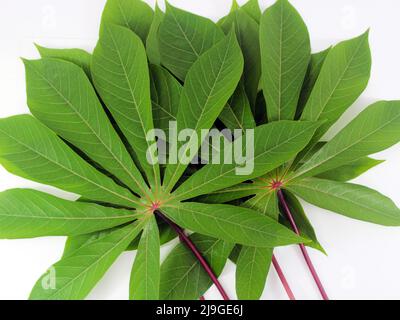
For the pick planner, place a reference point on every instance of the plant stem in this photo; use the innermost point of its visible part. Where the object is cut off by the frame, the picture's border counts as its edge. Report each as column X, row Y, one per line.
column 189, row 244
column 302, row 247
column 282, row 278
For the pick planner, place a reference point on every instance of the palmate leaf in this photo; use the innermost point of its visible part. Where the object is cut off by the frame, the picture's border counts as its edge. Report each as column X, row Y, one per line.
column 229, row 194
column 135, row 15
column 76, row 56
column 182, row 276
column 247, row 33
column 152, row 46
column 76, row 274
column 252, row 8
column 183, row 38
column 210, row 82
column 145, row 275
column 32, row 151
column 373, row 130
column 253, row 263
column 351, row 200
column 230, row 223
column 121, row 76
column 285, row 54
column 69, row 106
column 343, row 77
column 165, row 97
column 274, row 144
column 28, row 213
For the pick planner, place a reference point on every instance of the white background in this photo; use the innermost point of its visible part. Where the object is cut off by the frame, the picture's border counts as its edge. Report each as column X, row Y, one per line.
column 363, row 260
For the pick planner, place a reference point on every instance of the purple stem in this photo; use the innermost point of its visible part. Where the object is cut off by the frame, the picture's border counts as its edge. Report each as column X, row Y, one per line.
column 282, row 278
column 302, row 247
column 186, row 240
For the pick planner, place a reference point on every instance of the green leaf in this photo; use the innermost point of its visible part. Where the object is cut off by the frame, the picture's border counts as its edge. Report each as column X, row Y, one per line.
column 251, row 272
column 183, row 38
column 265, row 203
column 302, row 222
column 28, row 213
column 351, row 200
column 132, row 14
column 313, row 71
column 152, row 47
column 61, row 96
column 230, row 223
column 274, row 144
column 343, row 76
column 77, row 273
column 373, row 130
column 145, row 275
column 182, row 276
column 209, row 84
column 247, row 33
column 351, row 170
column 121, row 76
column 76, row 56
column 237, row 112
column 229, row 194
column 32, row 151
column 165, row 97
column 252, row 8
column 285, row 54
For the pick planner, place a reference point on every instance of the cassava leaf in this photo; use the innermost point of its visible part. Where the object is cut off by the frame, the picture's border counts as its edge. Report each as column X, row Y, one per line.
column 252, row 8
column 274, row 144
column 351, row 200
column 216, row 73
column 32, row 151
column 165, row 97
column 246, row 30
column 121, row 76
column 28, row 213
column 183, row 38
column 135, row 15
column 76, row 56
column 230, row 223
column 145, row 275
column 373, row 130
column 69, row 106
column 313, row 71
column 182, row 276
column 229, row 194
column 343, row 76
column 152, row 47
column 77, row 273
column 285, row 54
column 351, row 170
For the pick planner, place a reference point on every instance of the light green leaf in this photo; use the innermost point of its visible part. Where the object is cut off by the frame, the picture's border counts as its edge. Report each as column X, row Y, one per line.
column 32, row 151
column 121, row 76
column 285, row 54
column 252, row 8
column 351, row 170
column 247, row 33
column 343, row 76
column 182, row 276
column 183, row 38
column 165, row 97
column 28, row 213
column 229, row 194
column 61, row 96
column 351, row 200
column 230, row 223
column 313, row 71
column 209, row 84
column 77, row 274
column 237, row 112
column 145, row 275
column 373, row 130
column 135, row 15
column 152, row 46
column 77, row 56
column 274, row 144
